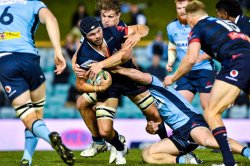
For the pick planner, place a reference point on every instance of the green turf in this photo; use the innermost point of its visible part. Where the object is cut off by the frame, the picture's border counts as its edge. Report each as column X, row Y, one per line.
column 45, row 158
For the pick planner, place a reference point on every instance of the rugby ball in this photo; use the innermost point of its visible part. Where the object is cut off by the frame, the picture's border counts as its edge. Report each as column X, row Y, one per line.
column 102, row 74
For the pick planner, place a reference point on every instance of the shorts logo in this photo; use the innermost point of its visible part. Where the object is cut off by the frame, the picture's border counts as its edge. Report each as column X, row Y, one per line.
column 234, row 73
column 7, row 89
column 208, row 85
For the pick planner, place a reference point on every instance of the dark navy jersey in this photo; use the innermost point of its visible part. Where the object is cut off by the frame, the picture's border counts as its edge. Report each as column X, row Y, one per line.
column 113, row 37
column 220, row 39
column 243, row 22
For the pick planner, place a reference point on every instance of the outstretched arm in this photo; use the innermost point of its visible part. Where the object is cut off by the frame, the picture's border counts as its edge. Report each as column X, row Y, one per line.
column 46, row 17
column 135, row 75
column 186, row 64
column 171, row 56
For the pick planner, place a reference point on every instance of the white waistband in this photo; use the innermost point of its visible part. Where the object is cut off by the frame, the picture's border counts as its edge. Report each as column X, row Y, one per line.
column 5, row 53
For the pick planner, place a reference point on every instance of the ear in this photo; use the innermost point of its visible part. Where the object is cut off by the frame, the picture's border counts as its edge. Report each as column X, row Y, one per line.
column 119, row 15
column 225, row 15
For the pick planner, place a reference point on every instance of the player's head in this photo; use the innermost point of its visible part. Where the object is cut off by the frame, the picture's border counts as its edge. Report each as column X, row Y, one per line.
column 228, row 8
column 194, row 11
column 180, row 9
column 91, row 30
column 110, row 11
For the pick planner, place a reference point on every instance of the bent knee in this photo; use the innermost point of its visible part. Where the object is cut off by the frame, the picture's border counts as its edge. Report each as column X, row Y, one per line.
column 145, row 155
column 81, row 103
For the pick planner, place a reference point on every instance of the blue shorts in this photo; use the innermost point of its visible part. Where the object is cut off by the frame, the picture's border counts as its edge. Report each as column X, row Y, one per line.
column 196, row 81
column 121, row 85
column 20, row 72
column 236, row 71
column 181, row 136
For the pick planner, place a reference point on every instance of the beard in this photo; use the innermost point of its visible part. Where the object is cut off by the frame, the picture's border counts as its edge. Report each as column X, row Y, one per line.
column 96, row 43
column 182, row 21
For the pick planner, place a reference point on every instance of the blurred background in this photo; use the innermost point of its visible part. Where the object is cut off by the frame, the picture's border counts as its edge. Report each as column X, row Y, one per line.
column 61, row 91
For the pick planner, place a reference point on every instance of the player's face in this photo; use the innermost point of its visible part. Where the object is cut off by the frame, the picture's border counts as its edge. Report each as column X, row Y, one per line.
column 222, row 14
column 110, row 18
column 180, row 8
column 95, row 36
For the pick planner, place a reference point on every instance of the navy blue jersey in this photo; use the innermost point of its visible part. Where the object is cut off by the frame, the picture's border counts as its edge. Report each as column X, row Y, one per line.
column 243, row 22
column 220, row 39
column 113, row 37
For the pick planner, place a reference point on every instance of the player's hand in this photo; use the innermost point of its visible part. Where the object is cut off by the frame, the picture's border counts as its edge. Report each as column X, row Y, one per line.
column 105, row 84
column 78, row 71
column 60, row 63
column 168, row 80
column 132, row 40
column 93, row 71
column 169, row 67
column 152, row 127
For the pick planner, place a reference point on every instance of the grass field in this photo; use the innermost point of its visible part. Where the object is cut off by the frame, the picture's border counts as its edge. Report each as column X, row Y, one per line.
column 50, row 158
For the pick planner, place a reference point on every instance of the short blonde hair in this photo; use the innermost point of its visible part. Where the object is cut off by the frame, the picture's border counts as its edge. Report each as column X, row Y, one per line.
column 196, row 7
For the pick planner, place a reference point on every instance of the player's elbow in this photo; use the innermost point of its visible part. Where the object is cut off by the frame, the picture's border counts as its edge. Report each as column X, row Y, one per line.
column 127, row 54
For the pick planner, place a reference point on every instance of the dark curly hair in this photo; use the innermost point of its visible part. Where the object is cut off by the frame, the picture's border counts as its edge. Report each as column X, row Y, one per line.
column 108, row 5
column 232, row 7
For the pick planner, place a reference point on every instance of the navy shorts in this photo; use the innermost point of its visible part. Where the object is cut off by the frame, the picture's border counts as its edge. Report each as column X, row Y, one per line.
column 181, row 136
column 20, row 72
column 121, row 85
column 236, row 71
column 197, row 81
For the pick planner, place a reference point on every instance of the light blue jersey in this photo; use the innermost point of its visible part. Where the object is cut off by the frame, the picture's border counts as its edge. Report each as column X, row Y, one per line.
column 174, row 109
column 18, row 22
column 178, row 34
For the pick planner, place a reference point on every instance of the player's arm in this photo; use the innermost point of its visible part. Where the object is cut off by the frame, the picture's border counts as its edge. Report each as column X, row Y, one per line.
column 83, row 86
column 171, row 56
column 203, row 57
column 46, row 17
column 117, row 59
column 186, row 64
column 135, row 75
column 76, row 68
column 135, row 33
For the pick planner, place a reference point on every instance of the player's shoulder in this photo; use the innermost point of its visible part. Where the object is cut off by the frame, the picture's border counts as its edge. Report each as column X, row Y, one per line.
column 172, row 25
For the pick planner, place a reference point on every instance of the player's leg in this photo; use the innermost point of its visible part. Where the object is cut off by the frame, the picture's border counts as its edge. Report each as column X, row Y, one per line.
column 31, row 140
column 160, row 152
column 146, row 104
column 204, row 137
column 204, row 98
column 222, row 95
column 188, row 95
column 167, row 151
column 85, row 104
column 105, row 112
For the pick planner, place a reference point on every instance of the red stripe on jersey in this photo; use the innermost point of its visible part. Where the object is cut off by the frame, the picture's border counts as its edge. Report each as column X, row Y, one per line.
column 194, row 40
column 122, row 28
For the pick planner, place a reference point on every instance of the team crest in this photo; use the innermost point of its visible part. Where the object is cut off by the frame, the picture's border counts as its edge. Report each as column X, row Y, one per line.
column 7, row 89
column 234, row 73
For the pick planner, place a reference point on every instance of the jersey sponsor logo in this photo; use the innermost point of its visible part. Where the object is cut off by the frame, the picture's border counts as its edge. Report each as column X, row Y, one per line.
column 7, row 89
column 181, row 44
column 234, row 73
column 208, row 85
column 9, row 35
column 110, row 39
column 235, row 35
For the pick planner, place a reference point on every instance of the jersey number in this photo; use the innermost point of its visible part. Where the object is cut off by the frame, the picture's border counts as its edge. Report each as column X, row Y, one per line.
column 6, row 18
column 228, row 25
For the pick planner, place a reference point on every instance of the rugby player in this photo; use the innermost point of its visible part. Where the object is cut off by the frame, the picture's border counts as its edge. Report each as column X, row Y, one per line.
column 202, row 75
column 97, row 47
column 21, row 74
column 189, row 127
column 223, row 41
